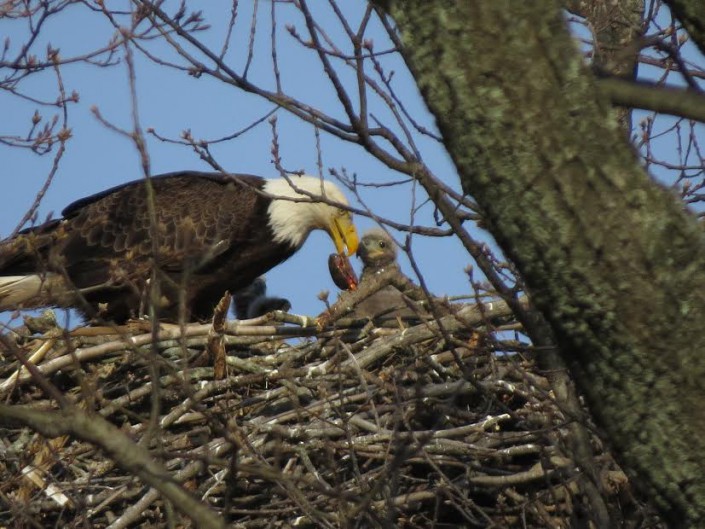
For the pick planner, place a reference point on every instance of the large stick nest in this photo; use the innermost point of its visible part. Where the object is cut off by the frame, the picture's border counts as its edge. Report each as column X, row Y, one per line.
column 421, row 426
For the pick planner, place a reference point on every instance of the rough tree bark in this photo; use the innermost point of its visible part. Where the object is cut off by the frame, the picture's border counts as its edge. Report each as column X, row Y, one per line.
column 612, row 260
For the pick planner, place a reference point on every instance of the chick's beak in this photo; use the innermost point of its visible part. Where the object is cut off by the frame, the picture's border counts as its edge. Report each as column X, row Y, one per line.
column 370, row 254
column 344, row 235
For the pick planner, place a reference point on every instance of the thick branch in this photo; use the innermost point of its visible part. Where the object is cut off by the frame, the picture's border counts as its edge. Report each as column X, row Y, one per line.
column 667, row 100
column 128, row 455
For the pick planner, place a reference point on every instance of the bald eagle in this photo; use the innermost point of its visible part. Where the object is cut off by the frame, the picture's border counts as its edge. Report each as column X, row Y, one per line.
column 378, row 253
column 400, row 299
column 200, row 235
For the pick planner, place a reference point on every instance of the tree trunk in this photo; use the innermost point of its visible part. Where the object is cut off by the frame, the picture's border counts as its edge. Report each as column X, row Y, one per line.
column 690, row 14
column 617, row 28
column 612, row 260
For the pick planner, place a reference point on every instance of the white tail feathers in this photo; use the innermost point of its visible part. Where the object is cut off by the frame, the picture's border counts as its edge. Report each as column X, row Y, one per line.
column 30, row 291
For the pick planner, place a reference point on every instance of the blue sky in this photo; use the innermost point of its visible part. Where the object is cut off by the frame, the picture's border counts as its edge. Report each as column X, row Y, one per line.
column 171, row 101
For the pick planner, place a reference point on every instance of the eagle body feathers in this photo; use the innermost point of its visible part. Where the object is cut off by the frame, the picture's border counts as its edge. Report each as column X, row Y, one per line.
column 378, row 253
column 197, row 234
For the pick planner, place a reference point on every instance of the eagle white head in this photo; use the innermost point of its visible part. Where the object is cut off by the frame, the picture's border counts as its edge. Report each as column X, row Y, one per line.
column 305, row 203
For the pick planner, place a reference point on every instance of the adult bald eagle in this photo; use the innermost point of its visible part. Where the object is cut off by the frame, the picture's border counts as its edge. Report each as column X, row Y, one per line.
column 213, row 232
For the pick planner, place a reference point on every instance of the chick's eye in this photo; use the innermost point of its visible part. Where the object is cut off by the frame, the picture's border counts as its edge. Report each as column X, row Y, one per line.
column 382, row 244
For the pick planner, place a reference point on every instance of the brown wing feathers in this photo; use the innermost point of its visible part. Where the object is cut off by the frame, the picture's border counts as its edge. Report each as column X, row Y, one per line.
column 208, row 226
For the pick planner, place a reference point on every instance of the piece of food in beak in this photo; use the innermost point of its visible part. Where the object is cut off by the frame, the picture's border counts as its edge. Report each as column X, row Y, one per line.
column 341, row 272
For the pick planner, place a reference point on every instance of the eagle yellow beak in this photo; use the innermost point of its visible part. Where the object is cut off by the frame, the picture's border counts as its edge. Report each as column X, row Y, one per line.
column 344, row 235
